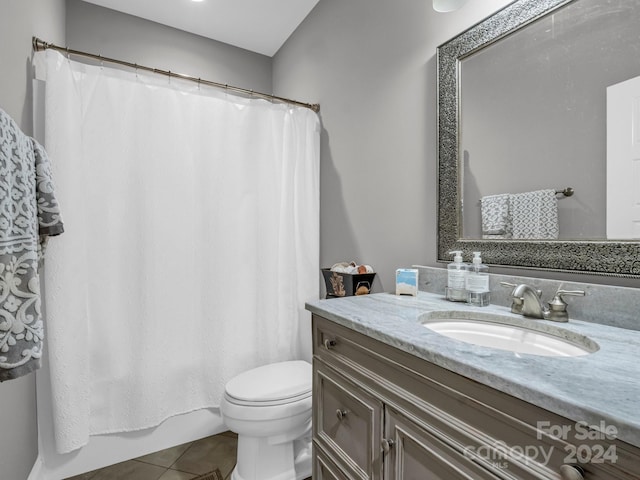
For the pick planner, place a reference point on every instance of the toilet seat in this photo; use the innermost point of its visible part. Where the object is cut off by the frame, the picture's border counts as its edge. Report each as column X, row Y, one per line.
column 266, row 403
column 270, row 385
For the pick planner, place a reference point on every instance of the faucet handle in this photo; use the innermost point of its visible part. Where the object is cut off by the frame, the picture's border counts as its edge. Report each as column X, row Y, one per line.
column 575, row 293
column 558, row 307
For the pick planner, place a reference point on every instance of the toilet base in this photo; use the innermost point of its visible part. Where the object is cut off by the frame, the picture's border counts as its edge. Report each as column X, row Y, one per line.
column 259, row 460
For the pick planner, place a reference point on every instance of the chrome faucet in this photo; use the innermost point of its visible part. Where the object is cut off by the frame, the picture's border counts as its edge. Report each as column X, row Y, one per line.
column 532, row 306
column 526, row 301
column 517, row 301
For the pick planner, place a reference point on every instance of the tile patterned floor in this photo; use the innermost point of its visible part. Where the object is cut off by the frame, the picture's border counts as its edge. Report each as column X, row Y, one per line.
column 183, row 462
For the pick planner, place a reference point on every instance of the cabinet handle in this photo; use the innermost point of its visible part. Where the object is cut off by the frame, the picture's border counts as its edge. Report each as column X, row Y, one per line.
column 387, row 443
column 571, row 472
column 329, row 344
column 341, row 414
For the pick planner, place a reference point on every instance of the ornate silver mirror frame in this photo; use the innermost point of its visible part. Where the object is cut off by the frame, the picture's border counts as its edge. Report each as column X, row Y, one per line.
column 614, row 258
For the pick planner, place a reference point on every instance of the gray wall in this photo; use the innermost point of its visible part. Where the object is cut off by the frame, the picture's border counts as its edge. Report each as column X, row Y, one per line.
column 112, row 34
column 19, row 21
column 371, row 64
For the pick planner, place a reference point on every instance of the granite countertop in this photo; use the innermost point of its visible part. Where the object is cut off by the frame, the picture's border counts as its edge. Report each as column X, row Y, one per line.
column 601, row 388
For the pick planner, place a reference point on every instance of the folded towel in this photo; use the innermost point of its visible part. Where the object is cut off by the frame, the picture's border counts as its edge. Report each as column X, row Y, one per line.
column 29, row 213
column 496, row 219
column 535, row 215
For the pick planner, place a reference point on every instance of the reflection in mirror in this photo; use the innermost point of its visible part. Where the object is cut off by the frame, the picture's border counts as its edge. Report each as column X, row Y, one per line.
column 534, row 117
column 529, row 102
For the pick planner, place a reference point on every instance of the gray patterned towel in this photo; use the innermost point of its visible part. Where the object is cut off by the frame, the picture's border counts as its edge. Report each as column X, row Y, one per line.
column 496, row 218
column 535, row 215
column 29, row 213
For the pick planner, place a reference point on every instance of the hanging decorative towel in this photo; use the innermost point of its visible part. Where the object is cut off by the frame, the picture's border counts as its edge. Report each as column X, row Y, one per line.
column 496, row 218
column 535, row 215
column 29, row 213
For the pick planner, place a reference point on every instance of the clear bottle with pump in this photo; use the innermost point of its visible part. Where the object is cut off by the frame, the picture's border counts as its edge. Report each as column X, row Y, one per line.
column 456, row 278
column 477, row 283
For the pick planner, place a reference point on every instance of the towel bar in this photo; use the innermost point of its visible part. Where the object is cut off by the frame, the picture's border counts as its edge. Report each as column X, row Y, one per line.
column 567, row 192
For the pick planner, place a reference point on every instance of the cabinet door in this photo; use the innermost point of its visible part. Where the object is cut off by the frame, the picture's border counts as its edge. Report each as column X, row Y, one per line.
column 412, row 453
column 347, row 423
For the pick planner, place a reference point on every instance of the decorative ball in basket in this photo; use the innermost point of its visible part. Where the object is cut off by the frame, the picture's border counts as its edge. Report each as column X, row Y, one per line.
column 346, row 279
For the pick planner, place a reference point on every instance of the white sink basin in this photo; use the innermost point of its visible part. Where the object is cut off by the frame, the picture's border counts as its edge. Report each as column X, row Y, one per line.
column 495, row 331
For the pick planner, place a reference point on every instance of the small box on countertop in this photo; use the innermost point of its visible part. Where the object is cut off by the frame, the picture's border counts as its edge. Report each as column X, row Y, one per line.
column 407, row 281
column 346, row 284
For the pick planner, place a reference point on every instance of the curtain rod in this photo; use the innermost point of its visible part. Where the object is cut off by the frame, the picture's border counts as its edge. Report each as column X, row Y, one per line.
column 39, row 45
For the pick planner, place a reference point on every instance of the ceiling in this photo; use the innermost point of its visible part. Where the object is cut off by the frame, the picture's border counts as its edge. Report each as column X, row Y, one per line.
column 260, row 26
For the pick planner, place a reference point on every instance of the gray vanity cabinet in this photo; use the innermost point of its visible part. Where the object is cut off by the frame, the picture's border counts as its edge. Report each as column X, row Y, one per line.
column 380, row 413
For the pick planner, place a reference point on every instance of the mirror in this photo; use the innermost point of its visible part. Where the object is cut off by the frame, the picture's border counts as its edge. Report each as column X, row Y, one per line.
column 522, row 106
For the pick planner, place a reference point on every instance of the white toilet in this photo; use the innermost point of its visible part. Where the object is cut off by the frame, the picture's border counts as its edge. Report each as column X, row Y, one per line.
column 269, row 407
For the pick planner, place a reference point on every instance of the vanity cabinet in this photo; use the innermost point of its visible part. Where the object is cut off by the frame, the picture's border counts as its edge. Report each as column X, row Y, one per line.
column 381, row 413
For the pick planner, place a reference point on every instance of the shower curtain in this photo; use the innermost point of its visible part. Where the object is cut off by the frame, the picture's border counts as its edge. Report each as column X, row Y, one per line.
column 192, row 243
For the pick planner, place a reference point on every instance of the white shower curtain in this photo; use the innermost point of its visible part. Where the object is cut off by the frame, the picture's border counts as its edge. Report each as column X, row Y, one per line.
column 191, row 243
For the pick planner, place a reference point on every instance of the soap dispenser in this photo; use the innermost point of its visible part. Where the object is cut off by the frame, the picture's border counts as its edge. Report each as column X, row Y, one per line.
column 456, row 278
column 477, row 283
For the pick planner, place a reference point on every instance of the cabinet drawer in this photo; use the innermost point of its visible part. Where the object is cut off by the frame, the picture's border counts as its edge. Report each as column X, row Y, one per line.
column 332, row 345
column 325, row 469
column 347, row 422
column 599, row 457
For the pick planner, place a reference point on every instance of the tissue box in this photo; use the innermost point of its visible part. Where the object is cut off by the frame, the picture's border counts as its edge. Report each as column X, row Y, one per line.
column 407, row 281
column 346, row 284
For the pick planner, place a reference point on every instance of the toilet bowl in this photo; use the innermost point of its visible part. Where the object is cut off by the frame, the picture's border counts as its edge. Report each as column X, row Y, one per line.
column 269, row 407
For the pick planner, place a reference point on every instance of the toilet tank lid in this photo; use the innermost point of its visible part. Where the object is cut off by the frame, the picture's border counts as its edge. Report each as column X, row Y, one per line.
column 275, row 381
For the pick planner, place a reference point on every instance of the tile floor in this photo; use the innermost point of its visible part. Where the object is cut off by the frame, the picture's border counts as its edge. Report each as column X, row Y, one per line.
column 183, row 462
